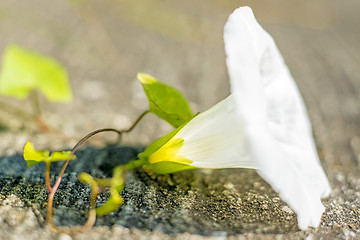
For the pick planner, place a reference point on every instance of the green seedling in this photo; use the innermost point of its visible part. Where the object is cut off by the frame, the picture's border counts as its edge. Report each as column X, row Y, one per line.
column 24, row 72
column 165, row 102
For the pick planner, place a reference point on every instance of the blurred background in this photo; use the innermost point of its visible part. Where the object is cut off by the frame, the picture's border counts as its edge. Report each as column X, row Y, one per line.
column 104, row 44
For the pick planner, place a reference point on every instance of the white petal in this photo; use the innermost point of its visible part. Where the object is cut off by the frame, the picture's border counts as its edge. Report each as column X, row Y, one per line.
column 275, row 121
column 215, row 139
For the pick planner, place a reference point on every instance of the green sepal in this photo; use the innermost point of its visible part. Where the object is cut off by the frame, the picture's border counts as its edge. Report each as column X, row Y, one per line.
column 33, row 157
column 158, row 143
column 164, row 101
column 24, row 70
column 163, row 167
column 167, row 167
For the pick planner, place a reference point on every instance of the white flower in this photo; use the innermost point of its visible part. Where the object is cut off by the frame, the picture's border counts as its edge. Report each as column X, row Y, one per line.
column 263, row 124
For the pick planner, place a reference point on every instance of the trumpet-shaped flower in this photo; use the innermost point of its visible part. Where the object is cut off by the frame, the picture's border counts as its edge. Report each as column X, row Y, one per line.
column 263, row 124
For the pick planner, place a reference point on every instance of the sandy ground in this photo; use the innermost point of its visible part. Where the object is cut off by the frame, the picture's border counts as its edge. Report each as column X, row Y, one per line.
column 104, row 44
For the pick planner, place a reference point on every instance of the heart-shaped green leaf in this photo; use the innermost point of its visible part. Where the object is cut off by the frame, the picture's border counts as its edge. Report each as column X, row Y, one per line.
column 166, row 102
column 23, row 71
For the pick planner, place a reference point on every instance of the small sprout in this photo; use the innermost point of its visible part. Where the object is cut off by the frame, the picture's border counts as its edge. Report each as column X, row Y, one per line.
column 116, row 186
column 24, row 70
column 164, row 101
column 30, row 153
column 33, row 157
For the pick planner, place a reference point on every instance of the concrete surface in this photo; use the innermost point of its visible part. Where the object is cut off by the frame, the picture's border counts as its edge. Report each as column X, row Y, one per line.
column 104, row 44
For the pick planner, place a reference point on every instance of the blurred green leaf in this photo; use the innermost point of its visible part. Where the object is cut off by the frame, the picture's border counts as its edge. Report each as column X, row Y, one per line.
column 33, row 157
column 165, row 101
column 23, row 71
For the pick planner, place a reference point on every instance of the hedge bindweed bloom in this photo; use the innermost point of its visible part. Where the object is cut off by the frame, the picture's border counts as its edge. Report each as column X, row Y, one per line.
column 263, row 124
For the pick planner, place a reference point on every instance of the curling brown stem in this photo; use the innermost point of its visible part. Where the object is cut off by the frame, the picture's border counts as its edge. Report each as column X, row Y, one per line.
column 94, row 190
column 136, row 122
column 58, row 180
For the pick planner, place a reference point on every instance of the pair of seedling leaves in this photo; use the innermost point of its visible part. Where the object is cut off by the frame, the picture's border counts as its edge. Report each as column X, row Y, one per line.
column 165, row 102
